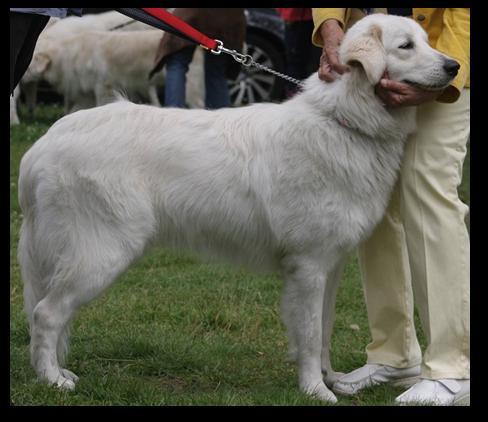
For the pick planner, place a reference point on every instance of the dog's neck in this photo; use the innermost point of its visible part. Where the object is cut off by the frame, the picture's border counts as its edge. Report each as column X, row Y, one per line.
column 351, row 100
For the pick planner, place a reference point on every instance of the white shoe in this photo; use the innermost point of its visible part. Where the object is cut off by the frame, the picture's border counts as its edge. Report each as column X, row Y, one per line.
column 444, row 392
column 374, row 374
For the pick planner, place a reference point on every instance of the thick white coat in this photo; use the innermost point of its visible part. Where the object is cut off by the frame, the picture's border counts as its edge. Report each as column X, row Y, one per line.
column 290, row 187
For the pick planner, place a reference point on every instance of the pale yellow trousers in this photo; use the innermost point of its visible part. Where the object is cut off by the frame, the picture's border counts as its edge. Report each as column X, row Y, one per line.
column 419, row 254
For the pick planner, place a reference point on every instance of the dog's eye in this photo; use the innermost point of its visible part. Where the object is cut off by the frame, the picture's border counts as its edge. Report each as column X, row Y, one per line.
column 407, row 46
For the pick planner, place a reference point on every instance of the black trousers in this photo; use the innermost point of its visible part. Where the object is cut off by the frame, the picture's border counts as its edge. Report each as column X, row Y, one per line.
column 302, row 57
column 24, row 32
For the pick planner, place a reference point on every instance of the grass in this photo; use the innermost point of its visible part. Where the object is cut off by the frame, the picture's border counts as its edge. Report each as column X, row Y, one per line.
column 176, row 331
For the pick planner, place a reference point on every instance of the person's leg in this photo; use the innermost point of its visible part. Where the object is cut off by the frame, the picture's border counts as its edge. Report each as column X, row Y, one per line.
column 216, row 86
column 177, row 65
column 394, row 354
column 437, row 235
column 438, row 243
column 423, row 238
column 25, row 29
column 386, row 277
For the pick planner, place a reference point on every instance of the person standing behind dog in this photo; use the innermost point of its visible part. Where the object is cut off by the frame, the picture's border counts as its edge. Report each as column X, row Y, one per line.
column 302, row 57
column 226, row 25
column 421, row 248
column 26, row 24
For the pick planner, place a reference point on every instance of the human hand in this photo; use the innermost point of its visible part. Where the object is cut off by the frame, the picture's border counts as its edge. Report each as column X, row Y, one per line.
column 401, row 94
column 332, row 35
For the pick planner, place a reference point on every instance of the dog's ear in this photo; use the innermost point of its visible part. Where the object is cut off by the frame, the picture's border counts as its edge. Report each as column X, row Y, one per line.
column 40, row 63
column 367, row 51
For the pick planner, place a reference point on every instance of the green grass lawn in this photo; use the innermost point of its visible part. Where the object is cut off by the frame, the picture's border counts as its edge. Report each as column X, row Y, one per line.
column 176, row 331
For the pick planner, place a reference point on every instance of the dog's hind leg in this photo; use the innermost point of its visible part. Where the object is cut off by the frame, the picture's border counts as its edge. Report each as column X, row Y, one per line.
column 328, row 318
column 88, row 258
column 305, row 281
column 51, row 316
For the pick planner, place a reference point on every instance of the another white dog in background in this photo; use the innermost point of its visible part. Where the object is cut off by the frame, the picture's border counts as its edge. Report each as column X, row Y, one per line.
column 53, row 38
column 290, row 187
column 14, row 117
column 86, row 63
column 88, row 66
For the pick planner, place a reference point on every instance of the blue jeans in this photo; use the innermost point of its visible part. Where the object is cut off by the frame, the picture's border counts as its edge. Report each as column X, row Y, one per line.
column 216, row 89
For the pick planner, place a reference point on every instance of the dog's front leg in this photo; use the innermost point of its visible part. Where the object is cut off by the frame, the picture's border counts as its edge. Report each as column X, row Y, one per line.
column 30, row 93
column 103, row 93
column 304, row 290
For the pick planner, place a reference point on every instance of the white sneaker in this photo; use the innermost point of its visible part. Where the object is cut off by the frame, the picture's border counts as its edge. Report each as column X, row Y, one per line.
column 374, row 374
column 444, row 392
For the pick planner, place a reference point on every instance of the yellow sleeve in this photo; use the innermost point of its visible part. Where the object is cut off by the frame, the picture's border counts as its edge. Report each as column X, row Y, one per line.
column 321, row 15
column 454, row 41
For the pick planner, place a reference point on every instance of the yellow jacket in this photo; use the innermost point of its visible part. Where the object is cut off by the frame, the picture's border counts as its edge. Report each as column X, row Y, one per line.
column 448, row 31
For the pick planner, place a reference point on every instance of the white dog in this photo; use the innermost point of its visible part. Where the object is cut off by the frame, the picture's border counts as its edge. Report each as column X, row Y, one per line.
column 60, row 49
column 89, row 65
column 291, row 187
column 14, row 117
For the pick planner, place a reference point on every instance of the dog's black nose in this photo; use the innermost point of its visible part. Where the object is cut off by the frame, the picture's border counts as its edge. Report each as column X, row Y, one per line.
column 451, row 67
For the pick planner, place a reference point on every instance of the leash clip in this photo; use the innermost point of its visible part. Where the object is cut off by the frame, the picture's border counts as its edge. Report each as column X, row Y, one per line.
column 247, row 60
column 244, row 59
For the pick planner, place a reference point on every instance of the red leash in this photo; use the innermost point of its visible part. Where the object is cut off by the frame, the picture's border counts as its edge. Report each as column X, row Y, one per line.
column 161, row 19
column 181, row 26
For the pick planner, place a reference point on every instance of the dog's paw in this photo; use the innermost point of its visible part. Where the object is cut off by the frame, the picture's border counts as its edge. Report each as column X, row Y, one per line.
column 64, row 383
column 69, row 375
column 321, row 392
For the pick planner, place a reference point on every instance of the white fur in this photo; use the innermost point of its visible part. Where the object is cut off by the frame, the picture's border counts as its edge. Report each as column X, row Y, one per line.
column 14, row 117
column 64, row 58
column 89, row 65
column 282, row 187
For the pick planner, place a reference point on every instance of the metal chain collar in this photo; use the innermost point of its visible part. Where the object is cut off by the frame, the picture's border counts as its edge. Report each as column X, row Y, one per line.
column 247, row 60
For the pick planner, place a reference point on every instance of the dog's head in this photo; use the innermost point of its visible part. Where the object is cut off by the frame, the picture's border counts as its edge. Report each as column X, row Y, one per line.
column 398, row 45
column 41, row 62
column 38, row 66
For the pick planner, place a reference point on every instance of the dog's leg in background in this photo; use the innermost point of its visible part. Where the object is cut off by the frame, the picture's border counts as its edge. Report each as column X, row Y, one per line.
column 104, row 93
column 30, row 92
column 153, row 96
column 83, row 102
column 328, row 317
column 304, row 290
column 67, row 103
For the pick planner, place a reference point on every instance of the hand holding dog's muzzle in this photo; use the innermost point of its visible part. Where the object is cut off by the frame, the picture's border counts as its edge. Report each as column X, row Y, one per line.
column 401, row 94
